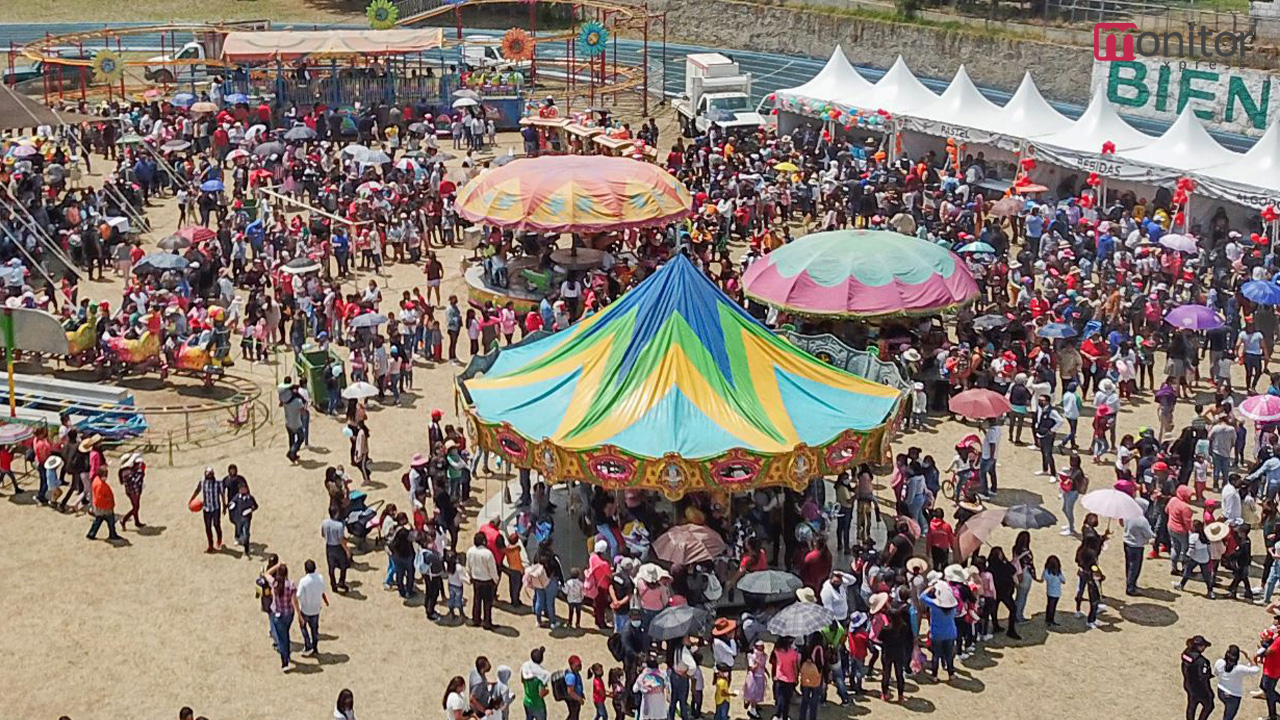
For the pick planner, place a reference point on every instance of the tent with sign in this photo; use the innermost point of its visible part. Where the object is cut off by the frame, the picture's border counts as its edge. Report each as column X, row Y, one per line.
column 1184, row 148
column 1080, row 146
column 838, row 83
column 961, row 112
column 1253, row 179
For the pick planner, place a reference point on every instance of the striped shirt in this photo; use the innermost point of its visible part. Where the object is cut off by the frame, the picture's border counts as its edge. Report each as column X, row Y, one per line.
column 211, row 489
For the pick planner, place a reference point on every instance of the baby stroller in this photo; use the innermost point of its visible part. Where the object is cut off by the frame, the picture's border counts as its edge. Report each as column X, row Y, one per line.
column 362, row 519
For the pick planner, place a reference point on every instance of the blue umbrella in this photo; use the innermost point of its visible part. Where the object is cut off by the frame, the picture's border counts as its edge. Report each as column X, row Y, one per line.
column 211, row 186
column 1262, row 292
column 1057, row 330
column 158, row 262
column 976, row 247
column 184, row 99
column 237, row 98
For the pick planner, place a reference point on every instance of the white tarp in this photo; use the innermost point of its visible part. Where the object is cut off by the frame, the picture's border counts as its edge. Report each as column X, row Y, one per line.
column 962, row 113
column 1080, row 146
column 1253, row 179
column 899, row 91
column 838, row 82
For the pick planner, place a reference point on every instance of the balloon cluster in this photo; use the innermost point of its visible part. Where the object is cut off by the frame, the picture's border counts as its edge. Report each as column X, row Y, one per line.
column 1181, row 194
column 1270, row 214
column 1094, row 180
column 847, row 117
column 1108, row 148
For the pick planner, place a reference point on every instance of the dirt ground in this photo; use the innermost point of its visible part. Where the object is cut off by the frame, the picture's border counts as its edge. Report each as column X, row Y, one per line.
column 137, row 630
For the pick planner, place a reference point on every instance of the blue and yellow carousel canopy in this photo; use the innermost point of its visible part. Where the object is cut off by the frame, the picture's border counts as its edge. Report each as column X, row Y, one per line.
column 676, row 370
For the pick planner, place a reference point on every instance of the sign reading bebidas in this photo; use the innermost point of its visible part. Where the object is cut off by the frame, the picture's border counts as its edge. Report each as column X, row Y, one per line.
column 1224, row 97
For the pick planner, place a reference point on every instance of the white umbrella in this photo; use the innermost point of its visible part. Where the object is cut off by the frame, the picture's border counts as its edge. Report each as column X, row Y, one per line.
column 1181, row 243
column 465, row 93
column 354, row 150
column 1112, row 503
column 465, row 102
column 359, row 390
column 373, row 157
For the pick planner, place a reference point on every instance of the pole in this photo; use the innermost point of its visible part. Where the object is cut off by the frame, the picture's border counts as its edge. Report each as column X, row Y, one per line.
column 7, row 319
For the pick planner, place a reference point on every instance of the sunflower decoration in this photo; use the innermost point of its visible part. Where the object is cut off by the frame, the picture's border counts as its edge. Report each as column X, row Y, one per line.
column 517, row 46
column 382, row 14
column 593, row 39
column 107, row 66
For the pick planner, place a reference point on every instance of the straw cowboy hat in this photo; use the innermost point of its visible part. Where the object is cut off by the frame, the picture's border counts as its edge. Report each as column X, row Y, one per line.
column 88, row 443
column 954, row 573
column 651, row 573
column 1216, row 531
column 911, row 355
column 53, row 463
column 805, row 595
column 129, row 459
column 877, row 602
column 917, row 565
column 724, row 627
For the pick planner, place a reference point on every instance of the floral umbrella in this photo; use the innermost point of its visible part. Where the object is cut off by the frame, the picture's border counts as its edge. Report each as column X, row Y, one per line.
column 860, row 274
column 573, row 193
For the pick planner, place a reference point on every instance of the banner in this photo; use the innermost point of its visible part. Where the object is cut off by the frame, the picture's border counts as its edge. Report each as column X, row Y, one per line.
column 1108, row 166
column 1226, row 98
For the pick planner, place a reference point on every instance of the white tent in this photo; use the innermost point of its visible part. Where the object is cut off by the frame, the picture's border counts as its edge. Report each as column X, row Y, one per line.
column 899, row 91
column 1029, row 115
column 1185, row 147
column 1080, row 146
column 961, row 112
column 837, row 82
column 1252, row 179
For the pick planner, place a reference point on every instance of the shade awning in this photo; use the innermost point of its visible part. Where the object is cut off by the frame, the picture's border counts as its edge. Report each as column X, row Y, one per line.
column 294, row 44
column 18, row 111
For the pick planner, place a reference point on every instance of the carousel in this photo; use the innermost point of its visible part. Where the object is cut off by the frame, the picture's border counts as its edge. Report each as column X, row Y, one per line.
column 537, row 200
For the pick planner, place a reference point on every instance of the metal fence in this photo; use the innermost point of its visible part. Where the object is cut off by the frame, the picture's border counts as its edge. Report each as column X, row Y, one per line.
column 1147, row 16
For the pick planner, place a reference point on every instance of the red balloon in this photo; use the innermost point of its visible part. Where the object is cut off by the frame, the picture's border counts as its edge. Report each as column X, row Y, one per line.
column 1108, row 148
column 1269, row 213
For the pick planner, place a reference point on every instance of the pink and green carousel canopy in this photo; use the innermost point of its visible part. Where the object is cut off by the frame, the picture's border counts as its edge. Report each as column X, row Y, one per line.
column 676, row 388
column 860, row 274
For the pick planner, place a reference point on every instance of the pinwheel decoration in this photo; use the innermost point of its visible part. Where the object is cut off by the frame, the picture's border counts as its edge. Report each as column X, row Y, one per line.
column 107, row 66
column 517, row 45
column 593, row 39
column 382, row 14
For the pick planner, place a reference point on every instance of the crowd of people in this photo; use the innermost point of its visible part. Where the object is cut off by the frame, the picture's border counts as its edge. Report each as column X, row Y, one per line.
column 285, row 211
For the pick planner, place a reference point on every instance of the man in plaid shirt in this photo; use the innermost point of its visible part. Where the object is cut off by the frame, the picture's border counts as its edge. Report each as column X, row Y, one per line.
column 211, row 492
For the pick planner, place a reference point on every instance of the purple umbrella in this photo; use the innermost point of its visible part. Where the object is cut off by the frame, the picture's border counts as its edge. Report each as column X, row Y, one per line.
column 1194, row 317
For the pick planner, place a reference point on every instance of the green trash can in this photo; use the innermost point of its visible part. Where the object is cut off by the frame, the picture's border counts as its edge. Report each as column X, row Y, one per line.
column 310, row 365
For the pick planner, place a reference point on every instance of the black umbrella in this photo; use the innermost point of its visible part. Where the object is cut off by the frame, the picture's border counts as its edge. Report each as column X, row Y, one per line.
column 418, row 127
column 678, row 622
column 268, row 149
column 159, row 262
column 769, row 582
column 1029, row 517
column 300, row 132
column 174, row 242
column 990, row 322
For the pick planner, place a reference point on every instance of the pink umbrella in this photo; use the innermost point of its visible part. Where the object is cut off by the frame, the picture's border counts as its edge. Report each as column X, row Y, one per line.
column 1260, row 408
column 979, row 404
column 688, row 544
column 978, row 529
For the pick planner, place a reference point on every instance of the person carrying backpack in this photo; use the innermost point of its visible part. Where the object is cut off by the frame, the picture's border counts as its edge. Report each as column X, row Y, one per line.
column 429, row 563
column 574, row 689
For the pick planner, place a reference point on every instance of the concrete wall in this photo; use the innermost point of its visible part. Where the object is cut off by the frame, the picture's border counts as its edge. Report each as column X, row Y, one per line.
column 1060, row 71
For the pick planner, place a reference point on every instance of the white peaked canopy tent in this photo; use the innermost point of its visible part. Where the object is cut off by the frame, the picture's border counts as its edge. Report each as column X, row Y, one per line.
column 1252, row 179
column 899, row 91
column 1080, row 145
column 961, row 112
column 1184, row 148
column 837, row 82
column 1029, row 115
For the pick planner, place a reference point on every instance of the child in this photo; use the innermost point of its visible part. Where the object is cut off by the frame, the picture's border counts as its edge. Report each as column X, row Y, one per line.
column 940, row 537
column 573, row 592
column 1053, row 580
column 1201, row 472
column 6, row 468
column 452, row 567
column 1101, row 426
column 919, row 403
column 1222, row 370
column 859, row 640
column 618, row 692
column 598, row 692
column 723, row 693
column 696, row 686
